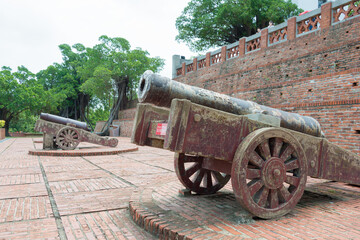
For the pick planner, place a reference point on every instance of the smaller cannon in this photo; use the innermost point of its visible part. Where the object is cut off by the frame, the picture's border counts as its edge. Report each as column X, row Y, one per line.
column 66, row 133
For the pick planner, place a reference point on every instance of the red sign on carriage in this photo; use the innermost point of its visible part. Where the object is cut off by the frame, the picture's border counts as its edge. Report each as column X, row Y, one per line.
column 161, row 129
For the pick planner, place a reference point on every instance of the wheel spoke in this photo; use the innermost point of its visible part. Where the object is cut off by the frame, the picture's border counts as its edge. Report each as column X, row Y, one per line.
column 219, row 178
column 284, row 193
column 292, row 180
column 277, row 147
column 255, row 187
column 263, row 197
column 286, row 154
column 292, row 165
column 255, row 159
column 253, row 173
column 274, row 199
column 191, row 170
column 198, row 179
column 208, row 179
column 265, row 149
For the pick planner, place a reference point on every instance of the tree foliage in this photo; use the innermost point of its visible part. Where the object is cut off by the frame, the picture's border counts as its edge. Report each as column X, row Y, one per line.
column 90, row 84
column 211, row 23
column 114, row 66
column 65, row 79
column 20, row 91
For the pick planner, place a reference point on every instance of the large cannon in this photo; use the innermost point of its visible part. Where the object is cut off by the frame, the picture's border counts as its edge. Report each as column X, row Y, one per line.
column 267, row 153
column 66, row 133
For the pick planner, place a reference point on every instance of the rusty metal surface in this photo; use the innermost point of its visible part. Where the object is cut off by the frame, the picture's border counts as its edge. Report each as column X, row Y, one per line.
column 64, row 121
column 161, row 91
column 269, row 172
column 202, row 131
column 68, row 137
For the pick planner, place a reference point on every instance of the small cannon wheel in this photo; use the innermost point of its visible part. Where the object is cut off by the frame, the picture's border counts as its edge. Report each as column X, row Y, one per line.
column 269, row 172
column 68, row 138
column 197, row 179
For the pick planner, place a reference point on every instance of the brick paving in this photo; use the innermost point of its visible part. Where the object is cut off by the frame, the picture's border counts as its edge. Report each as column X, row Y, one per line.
column 134, row 195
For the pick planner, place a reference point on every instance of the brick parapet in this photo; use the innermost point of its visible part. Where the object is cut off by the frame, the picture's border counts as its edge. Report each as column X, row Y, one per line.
column 295, row 27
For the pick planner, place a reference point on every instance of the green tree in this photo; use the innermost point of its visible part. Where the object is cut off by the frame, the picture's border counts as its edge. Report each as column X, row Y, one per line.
column 20, row 92
column 112, row 72
column 65, row 79
column 212, row 23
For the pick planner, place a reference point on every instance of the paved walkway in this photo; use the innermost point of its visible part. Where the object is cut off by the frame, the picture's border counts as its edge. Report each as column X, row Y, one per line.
column 72, row 197
column 44, row 197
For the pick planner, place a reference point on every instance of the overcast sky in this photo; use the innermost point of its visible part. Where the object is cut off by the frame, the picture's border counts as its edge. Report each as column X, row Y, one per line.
column 31, row 30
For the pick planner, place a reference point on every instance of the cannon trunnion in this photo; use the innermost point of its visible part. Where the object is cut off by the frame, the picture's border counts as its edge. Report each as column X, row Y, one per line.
column 66, row 133
column 267, row 163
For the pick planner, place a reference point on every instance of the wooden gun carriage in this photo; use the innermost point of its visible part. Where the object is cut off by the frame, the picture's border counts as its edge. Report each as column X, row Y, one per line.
column 267, row 153
column 67, row 133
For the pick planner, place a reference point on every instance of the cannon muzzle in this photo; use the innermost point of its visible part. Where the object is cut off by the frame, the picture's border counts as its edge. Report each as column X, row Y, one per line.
column 160, row 91
column 64, row 121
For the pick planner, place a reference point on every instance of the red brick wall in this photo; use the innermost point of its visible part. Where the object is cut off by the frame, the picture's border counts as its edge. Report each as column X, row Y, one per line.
column 317, row 74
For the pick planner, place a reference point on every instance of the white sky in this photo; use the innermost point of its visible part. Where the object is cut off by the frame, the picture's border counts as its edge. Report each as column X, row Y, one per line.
column 31, row 30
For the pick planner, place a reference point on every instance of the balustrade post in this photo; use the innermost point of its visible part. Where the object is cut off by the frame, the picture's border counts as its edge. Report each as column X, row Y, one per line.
column 326, row 15
column 291, row 28
column 242, row 42
column 223, row 54
column 183, row 68
column 195, row 64
column 264, row 38
column 207, row 59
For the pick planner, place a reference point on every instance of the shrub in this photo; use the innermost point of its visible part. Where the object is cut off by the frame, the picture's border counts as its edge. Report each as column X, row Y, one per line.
column 2, row 123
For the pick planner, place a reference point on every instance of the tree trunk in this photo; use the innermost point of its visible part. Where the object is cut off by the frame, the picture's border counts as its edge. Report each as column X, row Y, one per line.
column 7, row 126
column 75, row 110
column 121, row 89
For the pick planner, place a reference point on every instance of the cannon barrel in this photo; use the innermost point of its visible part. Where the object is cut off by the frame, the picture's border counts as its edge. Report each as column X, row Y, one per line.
column 160, row 91
column 62, row 120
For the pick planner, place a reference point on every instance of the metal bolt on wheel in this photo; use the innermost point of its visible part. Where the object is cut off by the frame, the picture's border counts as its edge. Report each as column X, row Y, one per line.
column 269, row 172
column 67, row 138
column 197, row 179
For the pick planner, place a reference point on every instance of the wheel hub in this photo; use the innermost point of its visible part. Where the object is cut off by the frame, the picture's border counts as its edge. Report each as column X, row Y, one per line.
column 274, row 173
column 68, row 138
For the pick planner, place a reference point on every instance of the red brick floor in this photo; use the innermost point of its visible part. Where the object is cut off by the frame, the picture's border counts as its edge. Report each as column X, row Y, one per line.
column 96, row 197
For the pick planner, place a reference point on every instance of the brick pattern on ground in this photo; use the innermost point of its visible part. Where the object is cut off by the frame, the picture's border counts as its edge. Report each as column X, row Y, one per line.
column 100, row 197
column 90, row 195
column 327, row 210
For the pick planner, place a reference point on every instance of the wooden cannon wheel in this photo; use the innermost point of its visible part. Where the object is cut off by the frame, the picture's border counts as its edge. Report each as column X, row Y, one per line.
column 67, row 138
column 197, row 179
column 269, row 172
